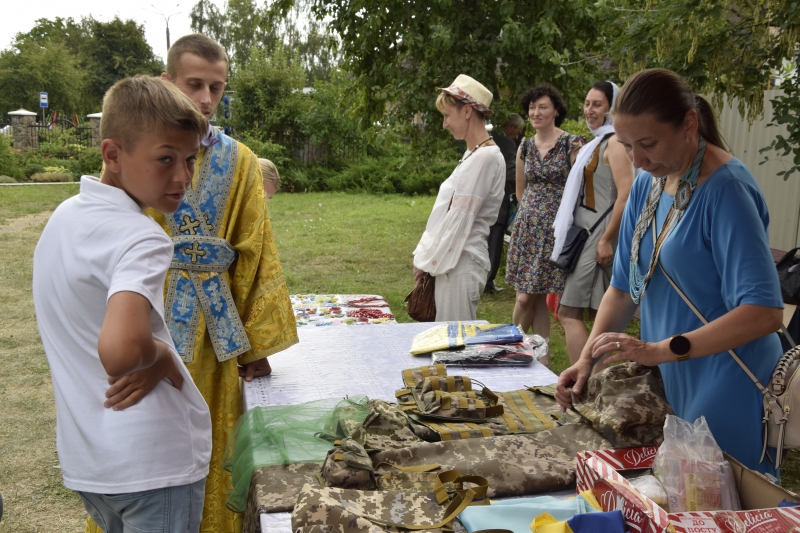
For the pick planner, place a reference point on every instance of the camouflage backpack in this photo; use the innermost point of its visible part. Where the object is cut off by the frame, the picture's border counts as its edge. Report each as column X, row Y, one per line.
column 348, row 467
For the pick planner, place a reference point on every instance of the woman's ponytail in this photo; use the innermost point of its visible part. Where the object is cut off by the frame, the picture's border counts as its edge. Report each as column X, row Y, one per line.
column 707, row 122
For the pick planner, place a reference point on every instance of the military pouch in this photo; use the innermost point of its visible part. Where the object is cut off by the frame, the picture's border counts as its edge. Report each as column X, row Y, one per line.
column 348, row 467
column 432, row 393
column 461, row 405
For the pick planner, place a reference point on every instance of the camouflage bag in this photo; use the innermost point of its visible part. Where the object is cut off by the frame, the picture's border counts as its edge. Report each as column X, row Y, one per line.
column 514, row 465
column 274, row 489
column 626, row 403
column 348, row 466
column 350, row 511
column 385, row 428
column 430, row 394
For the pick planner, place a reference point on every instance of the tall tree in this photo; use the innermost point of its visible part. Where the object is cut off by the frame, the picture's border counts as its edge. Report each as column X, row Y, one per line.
column 48, row 66
column 115, row 50
column 244, row 25
column 399, row 52
column 101, row 53
column 723, row 47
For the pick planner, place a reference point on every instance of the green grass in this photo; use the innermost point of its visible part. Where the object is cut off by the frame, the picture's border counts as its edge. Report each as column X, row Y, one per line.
column 18, row 201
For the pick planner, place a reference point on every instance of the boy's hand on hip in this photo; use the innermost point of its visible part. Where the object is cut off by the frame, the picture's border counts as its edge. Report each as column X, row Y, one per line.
column 255, row 369
column 131, row 388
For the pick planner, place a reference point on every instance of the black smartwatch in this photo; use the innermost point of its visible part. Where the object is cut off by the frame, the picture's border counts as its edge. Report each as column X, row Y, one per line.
column 680, row 346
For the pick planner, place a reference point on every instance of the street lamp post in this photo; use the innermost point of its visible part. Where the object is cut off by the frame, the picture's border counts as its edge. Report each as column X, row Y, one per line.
column 166, row 19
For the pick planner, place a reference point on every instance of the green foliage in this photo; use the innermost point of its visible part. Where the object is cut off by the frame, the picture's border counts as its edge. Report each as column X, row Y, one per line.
column 90, row 161
column 577, row 127
column 115, row 50
column 401, row 171
column 400, row 52
column 276, row 153
column 9, row 161
column 725, row 48
column 7, row 179
column 48, row 66
column 63, row 143
column 52, row 177
column 38, row 163
column 330, row 123
column 244, row 25
column 269, row 103
column 786, row 110
column 75, row 62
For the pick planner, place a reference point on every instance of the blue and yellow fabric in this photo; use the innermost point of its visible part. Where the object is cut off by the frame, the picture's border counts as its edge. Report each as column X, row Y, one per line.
column 200, row 257
column 516, row 514
column 611, row 522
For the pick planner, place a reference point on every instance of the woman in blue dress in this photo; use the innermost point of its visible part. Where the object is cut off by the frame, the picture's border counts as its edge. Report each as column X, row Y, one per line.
column 710, row 222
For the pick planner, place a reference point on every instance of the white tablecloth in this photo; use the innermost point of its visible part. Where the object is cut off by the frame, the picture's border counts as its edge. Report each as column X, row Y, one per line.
column 336, row 362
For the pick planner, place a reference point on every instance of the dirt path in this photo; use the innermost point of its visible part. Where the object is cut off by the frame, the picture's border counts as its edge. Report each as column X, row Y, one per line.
column 24, row 223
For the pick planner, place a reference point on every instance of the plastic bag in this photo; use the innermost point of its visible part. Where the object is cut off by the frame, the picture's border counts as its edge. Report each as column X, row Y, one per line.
column 532, row 347
column 652, row 488
column 691, row 468
column 455, row 334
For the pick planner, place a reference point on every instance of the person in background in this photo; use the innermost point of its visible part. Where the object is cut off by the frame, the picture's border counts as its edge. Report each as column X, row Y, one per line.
column 137, row 456
column 697, row 214
column 514, row 128
column 498, row 229
column 224, row 251
column 542, row 166
column 453, row 247
column 596, row 192
column 272, row 180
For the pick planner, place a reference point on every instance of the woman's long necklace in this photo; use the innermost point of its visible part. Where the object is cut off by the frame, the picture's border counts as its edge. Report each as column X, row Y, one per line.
column 475, row 150
column 686, row 187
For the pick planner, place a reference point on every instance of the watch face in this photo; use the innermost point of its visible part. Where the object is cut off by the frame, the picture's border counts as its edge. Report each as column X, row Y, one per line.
column 679, row 345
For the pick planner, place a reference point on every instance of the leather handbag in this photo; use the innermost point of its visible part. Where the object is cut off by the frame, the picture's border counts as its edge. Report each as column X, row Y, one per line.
column 781, row 430
column 421, row 303
column 574, row 242
column 789, row 277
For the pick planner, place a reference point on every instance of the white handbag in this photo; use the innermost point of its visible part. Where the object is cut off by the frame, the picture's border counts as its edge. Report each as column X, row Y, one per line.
column 780, row 429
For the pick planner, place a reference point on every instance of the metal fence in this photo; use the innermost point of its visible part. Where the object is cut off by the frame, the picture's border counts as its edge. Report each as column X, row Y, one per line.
column 62, row 137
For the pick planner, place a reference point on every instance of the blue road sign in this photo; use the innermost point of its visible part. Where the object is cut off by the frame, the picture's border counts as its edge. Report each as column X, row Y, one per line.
column 42, row 99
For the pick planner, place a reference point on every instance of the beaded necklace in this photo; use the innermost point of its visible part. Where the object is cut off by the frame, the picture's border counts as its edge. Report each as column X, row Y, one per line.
column 475, row 150
column 686, row 187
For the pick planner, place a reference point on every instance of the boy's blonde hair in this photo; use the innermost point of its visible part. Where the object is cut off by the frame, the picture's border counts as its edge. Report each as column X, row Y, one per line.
column 197, row 44
column 270, row 173
column 135, row 107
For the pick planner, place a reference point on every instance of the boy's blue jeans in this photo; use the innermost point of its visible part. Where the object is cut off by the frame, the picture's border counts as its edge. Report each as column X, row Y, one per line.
column 167, row 510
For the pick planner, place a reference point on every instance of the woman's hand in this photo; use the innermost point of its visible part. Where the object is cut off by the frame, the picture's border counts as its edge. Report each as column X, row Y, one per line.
column 605, row 253
column 623, row 347
column 572, row 380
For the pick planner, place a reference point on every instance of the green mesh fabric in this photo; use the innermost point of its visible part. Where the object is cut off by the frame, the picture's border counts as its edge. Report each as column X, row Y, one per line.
column 284, row 434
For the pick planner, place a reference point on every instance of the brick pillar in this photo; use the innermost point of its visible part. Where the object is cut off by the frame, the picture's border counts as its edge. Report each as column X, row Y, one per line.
column 94, row 122
column 23, row 134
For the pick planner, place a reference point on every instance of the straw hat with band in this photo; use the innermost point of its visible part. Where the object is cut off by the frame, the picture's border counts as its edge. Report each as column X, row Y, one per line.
column 471, row 93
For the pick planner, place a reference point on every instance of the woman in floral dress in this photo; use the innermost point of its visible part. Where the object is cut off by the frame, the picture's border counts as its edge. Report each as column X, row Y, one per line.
column 543, row 164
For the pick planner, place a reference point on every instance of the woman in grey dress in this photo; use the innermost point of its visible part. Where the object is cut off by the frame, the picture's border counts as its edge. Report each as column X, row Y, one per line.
column 606, row 181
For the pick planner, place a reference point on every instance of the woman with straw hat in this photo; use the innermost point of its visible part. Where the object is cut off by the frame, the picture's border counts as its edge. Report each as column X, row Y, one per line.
column 453, row 247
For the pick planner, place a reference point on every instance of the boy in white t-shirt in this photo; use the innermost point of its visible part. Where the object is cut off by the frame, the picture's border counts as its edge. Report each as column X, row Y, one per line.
column 137, row 453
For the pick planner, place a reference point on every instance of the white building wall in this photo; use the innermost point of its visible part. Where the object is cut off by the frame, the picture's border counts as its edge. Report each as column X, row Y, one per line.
column 783, row 197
